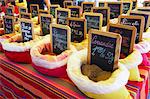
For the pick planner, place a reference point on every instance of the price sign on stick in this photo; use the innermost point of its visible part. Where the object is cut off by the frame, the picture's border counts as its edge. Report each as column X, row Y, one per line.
column 8, row 24
column 10, row 11
column 116, row 9
column 45, row 21
column 52, row 9
column 34, row 9
column 94, row 20
column 87, row 6
column 25, row 15
column 105, row 11
column 137, row 21
column 146, row 16
column 67, row 3
column 78, row 29
column 26, row 29
column 60, row 38
column 75, row 11
column 128, row 34
column 104, row 49
column 61, row 15
column 127, row 7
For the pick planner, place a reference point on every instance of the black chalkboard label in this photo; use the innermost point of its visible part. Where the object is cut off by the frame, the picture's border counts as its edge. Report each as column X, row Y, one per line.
column 75, row 11
column 8, row 24
column 105, row 11
column 146, row 4
column 22, row 9
column 146, row 16
column 128, row 37
column 26, row 29
column 34, row 9
column 60, row 38
column 78, row 29
column 45, row 21
column 126, row 7
column 101, row 4
column 52, row 9
column 94, row 21
column 10, row 11
column 25, row 15
column 3, row 2
column 115, row 9
column 87, row 6
column 145, row 9
column 67, row 3
column 136, row 21
column 104, row 49
column 61, row 15
column 134, row 4
column 20, row 1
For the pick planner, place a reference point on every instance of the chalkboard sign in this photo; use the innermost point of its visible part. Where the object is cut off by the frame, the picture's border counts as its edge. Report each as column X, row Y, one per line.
column 43, row 11
column 93, row 20
column 20, row 1
column 8, row 24
column 52, row 9
column 34, row 9
column 104, row 49
column 67, row 3
column 145, row 9
column 146, row 4
column 10, row 11
column 136, row 21
column 60, row 38
column 78, row 29
column 134, row 4
column 75, row 11
column 105, row 11
column 128, row 37
column 87, row 6
column 102, row 4
column 116, row 9
column 127, row 7
column 45, row 21
column 25, row 15
column 61, row 15
column 146, row 16
column 23, row 9
column 26, row 26
column 3, row 2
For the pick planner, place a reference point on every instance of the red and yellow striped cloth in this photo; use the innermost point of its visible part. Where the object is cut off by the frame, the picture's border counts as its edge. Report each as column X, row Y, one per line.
column 22, row 81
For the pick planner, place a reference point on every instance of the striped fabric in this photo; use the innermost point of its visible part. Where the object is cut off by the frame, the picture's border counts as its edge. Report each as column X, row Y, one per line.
column 22, row 81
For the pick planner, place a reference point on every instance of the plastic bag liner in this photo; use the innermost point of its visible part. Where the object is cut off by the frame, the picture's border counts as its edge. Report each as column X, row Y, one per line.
column 114, row 87
column 18, row 52
column 49, row 64
column 144, row 48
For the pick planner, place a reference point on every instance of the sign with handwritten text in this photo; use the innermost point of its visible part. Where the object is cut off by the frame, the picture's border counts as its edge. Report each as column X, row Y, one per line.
column 25, row 15
column 75, row 11
column 10, row 11
column 105, row 11
column 87, row 6
column 128, row 37
column 146, row 16
column 26, row 29
column 34, row 9
column 115, row 9
column 45, row 21
column 52, row 9
column 136, row 21
column 61, row 15
column 127, row 6
column 60, row 38
column 8, row 24
column 78, row 29
column 93, row 20
column 67, row 3
column 104, row 49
